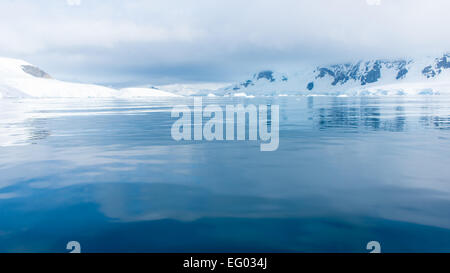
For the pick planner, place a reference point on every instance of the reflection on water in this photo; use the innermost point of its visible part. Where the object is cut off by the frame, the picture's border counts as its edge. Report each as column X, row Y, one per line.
column 106, row 173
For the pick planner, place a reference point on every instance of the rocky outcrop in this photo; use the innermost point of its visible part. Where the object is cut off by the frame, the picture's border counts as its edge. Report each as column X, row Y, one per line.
column 36, row 72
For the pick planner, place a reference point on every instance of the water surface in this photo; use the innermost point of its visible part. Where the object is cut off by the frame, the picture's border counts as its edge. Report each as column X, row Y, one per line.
column 107, row 173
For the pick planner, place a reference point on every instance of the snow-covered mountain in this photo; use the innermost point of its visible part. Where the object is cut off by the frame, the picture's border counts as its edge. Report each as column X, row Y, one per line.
column 430, row 75
column 422, row 76
column 19, row 79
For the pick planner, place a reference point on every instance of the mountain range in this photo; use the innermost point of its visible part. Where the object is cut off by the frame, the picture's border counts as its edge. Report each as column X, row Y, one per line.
column 408, row 76
column 429, row 75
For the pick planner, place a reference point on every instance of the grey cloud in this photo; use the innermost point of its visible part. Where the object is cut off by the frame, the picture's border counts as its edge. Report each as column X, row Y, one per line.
column 202, row 40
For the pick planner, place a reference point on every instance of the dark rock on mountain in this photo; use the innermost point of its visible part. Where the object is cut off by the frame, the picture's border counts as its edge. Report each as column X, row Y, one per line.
column 34, row 71
column 442, row 63
column 266, row 75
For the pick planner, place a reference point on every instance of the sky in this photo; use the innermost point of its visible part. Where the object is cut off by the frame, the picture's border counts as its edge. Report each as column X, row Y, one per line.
column 118, row 42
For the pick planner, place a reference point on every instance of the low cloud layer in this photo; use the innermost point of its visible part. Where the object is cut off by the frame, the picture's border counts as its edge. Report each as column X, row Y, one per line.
column 158, row 41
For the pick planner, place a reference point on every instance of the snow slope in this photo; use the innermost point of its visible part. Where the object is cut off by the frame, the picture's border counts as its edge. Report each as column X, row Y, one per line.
column 19, row 79
column 429, row 75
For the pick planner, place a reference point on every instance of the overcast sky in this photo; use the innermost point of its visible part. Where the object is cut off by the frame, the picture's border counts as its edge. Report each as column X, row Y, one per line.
column 162, row 41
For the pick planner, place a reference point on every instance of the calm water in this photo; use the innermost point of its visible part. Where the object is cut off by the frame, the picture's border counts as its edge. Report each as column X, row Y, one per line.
column 107, row 173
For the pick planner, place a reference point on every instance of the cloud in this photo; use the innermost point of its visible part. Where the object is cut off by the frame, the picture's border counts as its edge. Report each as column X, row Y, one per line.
column 73, row 2
column 213, row 40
